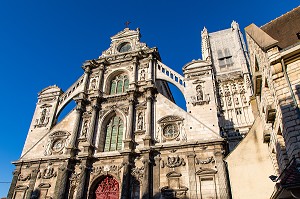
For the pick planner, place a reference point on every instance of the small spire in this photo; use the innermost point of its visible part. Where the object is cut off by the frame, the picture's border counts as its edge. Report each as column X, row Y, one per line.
column 204, row 31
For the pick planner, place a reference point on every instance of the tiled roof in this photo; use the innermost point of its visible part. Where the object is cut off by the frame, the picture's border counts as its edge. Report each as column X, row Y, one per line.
column 284, row 29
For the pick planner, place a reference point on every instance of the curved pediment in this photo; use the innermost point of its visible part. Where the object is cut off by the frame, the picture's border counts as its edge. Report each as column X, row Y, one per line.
column 170, row 118
column 202, row 171
column 196, row 64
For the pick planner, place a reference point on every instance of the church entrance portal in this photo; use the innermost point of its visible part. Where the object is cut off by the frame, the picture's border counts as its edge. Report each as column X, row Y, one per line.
column 108, row 188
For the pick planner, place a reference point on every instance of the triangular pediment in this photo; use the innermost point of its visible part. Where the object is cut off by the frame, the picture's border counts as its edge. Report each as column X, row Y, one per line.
column 126, row 33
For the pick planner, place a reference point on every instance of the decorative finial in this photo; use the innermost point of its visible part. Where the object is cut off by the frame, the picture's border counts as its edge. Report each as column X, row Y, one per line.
column 127, row 24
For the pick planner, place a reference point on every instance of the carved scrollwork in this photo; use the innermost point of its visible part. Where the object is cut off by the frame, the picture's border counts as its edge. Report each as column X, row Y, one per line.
column 48, row 172
column 105, row 169
column 173, row 161
column 75, row 176
column 138, row 173
column 56, row 143
column 205, row 161
column 22, row 177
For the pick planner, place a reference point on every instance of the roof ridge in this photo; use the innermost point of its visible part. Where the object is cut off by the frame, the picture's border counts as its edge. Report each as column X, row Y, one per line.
column 298, row 7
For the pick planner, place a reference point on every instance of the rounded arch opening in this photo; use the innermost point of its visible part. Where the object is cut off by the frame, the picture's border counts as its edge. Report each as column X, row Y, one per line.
column 178, row 96
column 111, row 131
column 117, row 82
column 105, row 186
column 65, row 110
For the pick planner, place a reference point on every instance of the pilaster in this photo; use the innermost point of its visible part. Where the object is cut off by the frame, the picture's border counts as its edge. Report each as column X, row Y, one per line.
column 125, row 192
column 14, row 181
column 128, row 143
column 31, row 183
column 148, row 138
column 61, row 181
column 192, row 175
column 222, row 176
column 81, row 188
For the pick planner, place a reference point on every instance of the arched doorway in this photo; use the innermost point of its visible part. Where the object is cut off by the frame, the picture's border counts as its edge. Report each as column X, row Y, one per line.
column 108, row 188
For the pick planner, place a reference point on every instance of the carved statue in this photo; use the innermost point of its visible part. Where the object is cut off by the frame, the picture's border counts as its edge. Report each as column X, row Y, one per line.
column 43, row 116
column 84, row 129
column 142, row 75
column 229, row 101
column 244, row 99
column 236, row 100
column 93, row 84
column 199, row 92
column 140, row 122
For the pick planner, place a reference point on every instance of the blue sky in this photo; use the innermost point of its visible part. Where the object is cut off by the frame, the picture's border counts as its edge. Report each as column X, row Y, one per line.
column 43, row 43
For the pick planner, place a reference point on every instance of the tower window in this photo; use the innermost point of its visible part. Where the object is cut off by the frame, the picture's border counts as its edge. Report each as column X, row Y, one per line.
column 119, row 84
column 225, row 58
column 238, row 111
column 114, row 134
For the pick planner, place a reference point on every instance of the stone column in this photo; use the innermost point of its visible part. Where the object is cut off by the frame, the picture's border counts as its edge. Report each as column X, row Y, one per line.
column 72, row 143
column 130, row 125
column 147, row 139
column 81, row 188
column 134, row 70
column 125, row 192
column 101, row 68
column 156, row 179
column 31, row 183
column 146, row 178
column 61, row 181
column 224, row 189
column 14, row 181
column 150, row 71
column 87, row 72
column 91, row 131
column 192, row 175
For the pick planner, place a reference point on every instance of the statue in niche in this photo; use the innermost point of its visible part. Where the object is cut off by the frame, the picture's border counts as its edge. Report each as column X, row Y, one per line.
column 142, row 75
column 43, row 116
column 221, row 102
column 140, row 122
column 199, row 92
column 244, row 99
column 84, row 128
column 43, row 120
column 229, row 101
column 93, row 84
column 236, row 100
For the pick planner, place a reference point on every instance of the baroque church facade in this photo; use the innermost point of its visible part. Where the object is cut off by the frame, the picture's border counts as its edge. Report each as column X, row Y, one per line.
column 126, row 137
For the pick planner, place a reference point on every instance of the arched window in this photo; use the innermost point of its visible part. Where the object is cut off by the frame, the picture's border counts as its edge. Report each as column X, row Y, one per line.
column 119, row 84
column 114, row 134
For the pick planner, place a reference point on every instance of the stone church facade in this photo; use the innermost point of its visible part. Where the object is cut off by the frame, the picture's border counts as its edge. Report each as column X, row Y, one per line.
column 126, row 137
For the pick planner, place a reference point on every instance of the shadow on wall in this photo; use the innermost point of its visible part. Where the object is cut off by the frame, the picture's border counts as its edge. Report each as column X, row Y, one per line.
column 170, row 194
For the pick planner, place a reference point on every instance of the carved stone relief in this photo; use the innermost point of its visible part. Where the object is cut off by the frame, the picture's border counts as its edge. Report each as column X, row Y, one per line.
column 23, row 177
column 173, row 161
column 85, row 128
column 106, row 169
column 93, row 84
column 169, row 128
column 56, row 143
column 138, row 173
column 200, row 98
column 44, row 118
column 48, row 172
column 204, row 161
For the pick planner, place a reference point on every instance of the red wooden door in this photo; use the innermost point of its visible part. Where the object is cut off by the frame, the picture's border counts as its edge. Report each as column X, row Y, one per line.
column 108, row 188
